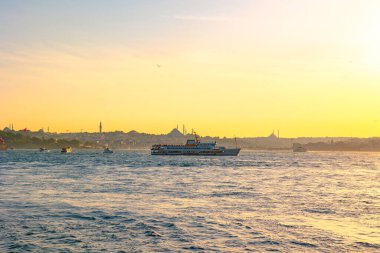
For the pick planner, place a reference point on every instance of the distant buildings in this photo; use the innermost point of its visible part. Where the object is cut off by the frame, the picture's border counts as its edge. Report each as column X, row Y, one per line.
column 136, row 140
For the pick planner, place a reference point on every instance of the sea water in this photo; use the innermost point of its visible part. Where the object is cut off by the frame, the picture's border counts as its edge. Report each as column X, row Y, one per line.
column 130, row 201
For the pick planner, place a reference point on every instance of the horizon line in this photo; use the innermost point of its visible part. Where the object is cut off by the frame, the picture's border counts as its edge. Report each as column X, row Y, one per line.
column 220, row 137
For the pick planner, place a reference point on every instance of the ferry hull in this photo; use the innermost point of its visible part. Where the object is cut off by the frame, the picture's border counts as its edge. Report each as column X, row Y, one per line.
column 226, row 152
column 232, row 152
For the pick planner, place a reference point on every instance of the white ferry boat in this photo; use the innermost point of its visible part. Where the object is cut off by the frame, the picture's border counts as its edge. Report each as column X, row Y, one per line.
column 194, row 147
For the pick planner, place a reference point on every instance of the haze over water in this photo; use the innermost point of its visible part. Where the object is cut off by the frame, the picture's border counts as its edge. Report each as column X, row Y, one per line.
column 133, row 202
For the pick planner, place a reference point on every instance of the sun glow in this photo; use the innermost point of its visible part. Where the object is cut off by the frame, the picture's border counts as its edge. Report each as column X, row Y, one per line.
column 369, row 39
column 371, row 51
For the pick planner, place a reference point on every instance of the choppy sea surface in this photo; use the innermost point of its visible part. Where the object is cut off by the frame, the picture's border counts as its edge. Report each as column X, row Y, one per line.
column 130, row 201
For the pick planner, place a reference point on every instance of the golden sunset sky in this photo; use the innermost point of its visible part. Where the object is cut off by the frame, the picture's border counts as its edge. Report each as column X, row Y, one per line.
column 224, row 68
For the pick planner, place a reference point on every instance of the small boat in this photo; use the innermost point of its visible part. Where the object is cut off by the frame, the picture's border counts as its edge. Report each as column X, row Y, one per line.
column 107, row 151
column 298, row 148
column 67, row 150
column 44, row 149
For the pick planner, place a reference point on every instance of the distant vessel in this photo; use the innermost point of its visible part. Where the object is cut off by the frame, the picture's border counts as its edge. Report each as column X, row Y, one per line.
column 297, row 147
column 44, row 149
column 194, row 147
column 107, row 151
column 67, row 150
column 3, row 146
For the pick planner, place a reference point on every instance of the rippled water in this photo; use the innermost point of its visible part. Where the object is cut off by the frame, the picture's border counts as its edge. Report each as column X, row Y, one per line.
column 133, row 202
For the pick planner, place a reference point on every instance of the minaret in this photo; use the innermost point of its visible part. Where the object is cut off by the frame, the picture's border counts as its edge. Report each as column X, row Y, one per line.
column 100, row 131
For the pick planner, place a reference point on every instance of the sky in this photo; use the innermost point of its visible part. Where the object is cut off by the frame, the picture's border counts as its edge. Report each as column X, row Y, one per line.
column 224, row 68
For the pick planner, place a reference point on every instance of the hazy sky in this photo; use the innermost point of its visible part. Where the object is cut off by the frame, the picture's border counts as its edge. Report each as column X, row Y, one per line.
column 223, row 67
